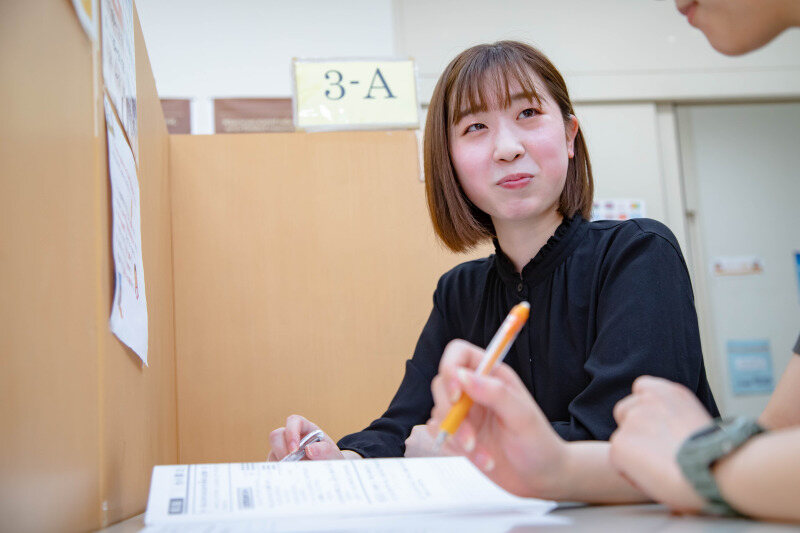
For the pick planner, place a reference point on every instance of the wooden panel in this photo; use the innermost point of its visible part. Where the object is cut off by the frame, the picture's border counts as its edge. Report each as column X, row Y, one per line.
column 49, row 448
column 139, row 410
column 304, row 270
column 83, row 423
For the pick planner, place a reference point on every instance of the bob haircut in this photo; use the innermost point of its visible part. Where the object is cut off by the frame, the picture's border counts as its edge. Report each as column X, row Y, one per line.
column 490, row 68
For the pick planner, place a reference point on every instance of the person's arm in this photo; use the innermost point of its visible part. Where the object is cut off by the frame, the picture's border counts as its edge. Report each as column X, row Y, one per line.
column 783, row 409
column 762, row 478
column 508, row 437
column 646, row 323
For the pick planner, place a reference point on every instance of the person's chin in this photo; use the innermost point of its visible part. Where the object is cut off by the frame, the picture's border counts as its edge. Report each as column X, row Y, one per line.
column 735, row 45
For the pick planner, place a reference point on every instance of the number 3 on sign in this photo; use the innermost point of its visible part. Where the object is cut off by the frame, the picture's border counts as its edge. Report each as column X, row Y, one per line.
column 337, row 77
column 359, row 94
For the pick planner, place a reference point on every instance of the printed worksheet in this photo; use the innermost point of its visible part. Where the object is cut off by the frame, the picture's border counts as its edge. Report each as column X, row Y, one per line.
column 119, row 64
column 328, row 491
column 128, row 318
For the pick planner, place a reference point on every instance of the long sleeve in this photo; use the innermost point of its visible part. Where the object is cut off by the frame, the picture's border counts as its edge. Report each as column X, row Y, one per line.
column 645, row 324
column 412, row 403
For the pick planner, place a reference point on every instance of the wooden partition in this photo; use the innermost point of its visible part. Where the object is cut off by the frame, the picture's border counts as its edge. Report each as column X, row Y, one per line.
column 304, row 271
column 82, row 420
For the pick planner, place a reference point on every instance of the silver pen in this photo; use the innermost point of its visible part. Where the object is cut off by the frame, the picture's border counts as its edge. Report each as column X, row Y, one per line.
column 314, row 436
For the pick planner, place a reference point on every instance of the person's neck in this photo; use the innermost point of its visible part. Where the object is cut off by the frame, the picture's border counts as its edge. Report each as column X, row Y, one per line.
column 522, row 240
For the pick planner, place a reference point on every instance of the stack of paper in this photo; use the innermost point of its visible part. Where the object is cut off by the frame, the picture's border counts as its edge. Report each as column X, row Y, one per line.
column 318, row 495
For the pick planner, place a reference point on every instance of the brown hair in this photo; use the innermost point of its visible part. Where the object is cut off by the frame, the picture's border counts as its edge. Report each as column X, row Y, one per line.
column 456, row 220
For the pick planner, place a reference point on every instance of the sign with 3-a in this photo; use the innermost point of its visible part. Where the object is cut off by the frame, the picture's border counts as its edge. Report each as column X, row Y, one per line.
column 355, row 94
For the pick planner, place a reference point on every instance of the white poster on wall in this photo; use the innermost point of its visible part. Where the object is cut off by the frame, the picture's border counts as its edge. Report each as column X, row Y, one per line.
column 618, row 209
column 119, row 64
column 129, row 311
column 87, row 14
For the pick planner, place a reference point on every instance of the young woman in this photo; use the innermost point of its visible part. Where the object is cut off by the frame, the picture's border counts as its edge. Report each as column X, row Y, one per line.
column 505, row 160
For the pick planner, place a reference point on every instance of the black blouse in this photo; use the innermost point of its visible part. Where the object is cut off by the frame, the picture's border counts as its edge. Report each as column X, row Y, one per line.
column 610, row 301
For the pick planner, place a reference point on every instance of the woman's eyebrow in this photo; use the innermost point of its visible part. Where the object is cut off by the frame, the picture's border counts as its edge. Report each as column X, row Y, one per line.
column 530, row 97
column 481, row 108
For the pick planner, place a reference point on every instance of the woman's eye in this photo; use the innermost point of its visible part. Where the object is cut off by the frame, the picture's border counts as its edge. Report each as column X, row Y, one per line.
column 474, row 127
column 528, row 113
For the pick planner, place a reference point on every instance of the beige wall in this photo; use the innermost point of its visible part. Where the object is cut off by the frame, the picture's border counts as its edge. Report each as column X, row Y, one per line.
column 82, row 422
column 304, row 271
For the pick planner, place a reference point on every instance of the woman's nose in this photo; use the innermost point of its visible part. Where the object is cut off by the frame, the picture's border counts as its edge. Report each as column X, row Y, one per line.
column 507, row 146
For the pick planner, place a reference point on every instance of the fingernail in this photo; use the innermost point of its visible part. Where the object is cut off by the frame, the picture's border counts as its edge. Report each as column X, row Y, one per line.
column 463, row 376
column 454, row 392
column 485, row 462
column 469, row 445
column 309, row 452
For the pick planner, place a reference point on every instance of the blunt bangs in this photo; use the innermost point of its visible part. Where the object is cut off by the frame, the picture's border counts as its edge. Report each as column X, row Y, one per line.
column 486, row 78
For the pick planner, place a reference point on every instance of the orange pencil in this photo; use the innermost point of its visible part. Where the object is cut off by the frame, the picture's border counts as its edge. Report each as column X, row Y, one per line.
column 495, row 352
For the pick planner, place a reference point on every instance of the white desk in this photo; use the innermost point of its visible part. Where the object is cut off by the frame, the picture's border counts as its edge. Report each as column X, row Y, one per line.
column 621, row 518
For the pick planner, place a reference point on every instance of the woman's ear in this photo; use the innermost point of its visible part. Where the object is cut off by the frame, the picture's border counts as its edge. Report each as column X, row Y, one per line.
column 571, row 126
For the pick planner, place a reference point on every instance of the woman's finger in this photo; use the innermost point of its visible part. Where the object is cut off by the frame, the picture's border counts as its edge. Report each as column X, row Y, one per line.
column 278, row 444
column 457, row 354
column 441, row 397
column 297, row 427
column 623, row 407
column 324, row 450
column 513, row 409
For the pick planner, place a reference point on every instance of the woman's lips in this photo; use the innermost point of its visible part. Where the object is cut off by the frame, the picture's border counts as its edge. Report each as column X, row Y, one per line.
column 515, row 181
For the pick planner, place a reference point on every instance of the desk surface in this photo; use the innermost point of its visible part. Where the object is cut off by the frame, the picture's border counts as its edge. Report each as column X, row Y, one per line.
column 649, row 517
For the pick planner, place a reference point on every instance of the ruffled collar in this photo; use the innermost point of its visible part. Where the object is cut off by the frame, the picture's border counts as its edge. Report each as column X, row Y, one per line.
column 566, row 237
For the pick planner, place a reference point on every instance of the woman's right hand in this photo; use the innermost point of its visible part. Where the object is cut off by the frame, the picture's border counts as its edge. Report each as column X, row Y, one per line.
column 285, row 440
column 505, row 433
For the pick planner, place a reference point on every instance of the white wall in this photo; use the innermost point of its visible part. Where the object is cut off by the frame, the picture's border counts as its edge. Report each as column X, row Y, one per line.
column 626, row 62
column 204, row 49
column 741, row 165
column 608, row 50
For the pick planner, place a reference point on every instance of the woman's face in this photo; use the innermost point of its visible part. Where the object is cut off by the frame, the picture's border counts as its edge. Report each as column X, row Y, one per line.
column 734, row 27
column 512, row 161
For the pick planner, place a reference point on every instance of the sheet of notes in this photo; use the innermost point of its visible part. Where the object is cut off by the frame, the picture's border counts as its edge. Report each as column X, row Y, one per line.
column 327, row 490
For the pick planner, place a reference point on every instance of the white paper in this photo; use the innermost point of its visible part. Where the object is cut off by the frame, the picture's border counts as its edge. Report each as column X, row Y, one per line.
column 87, row 14
column 129, row 311
column 334, row 493
column 119, row 64
column 745, row 265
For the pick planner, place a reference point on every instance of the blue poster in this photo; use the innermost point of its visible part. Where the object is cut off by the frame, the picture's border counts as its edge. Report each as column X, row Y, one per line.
column 797, row 266
column 750, row 366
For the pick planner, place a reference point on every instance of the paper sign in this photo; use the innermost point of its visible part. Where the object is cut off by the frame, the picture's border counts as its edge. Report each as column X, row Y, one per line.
column 87, row 14
column 177, row 115
column 617, row 209
column 129, row 311
column 750, row 366
column 119, row 64
column 252, row 115
column 737, row 266
column 363, row 94
column 797, row 267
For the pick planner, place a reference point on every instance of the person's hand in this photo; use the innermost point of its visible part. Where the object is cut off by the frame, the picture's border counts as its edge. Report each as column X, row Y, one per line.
column 285, row 440
column 420, row 443
column 652, row 424
column 505, row 434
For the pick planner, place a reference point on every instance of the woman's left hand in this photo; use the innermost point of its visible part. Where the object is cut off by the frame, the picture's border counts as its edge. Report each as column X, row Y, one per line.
column 505, row 433
column 653, row 423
